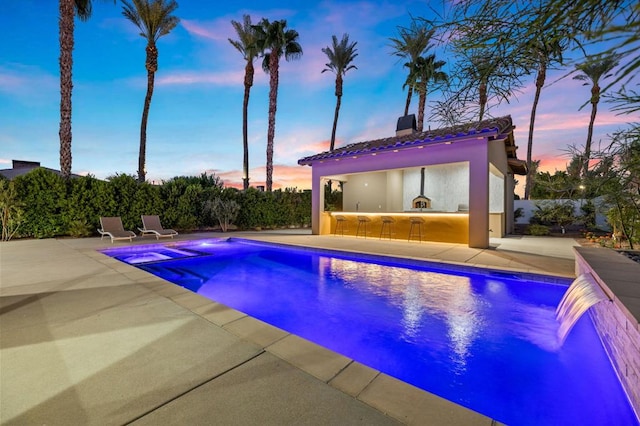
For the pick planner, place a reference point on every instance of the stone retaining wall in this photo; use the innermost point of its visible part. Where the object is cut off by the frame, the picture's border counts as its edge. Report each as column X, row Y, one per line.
column 616, row 320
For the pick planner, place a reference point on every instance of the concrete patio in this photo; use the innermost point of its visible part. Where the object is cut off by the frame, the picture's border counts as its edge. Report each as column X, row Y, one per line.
column 86, row 339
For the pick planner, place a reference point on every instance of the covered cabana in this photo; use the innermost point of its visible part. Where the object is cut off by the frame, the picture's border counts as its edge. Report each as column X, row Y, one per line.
column 453, row 184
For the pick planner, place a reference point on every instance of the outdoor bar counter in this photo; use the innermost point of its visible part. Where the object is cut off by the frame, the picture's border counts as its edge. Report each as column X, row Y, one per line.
column 450, row 227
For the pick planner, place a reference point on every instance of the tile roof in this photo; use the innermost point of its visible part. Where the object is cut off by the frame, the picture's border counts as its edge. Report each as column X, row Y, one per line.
column 501, row 127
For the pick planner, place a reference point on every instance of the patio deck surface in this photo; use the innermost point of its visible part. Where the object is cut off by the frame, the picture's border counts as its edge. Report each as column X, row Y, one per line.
column 86, row 339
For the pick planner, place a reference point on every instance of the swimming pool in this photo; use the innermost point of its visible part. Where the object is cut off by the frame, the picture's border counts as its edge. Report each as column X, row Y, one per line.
column 483, row 339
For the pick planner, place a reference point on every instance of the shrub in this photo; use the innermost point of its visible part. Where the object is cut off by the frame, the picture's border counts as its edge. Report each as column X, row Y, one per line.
column 123, row 189
column 588, row 214
column 43, row 194
column 279, row 208
column 554, row 213
column 79, row 228
column 184, row 198
column 53, row 206
column 254, row 210
column 10, row 210
column 147, row 200
column 518, row 213
column 182, row 203
column 538, row 230
column 88, row 198
column 224, row 211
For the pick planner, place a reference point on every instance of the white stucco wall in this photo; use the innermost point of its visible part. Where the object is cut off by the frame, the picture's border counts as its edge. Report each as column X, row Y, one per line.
column 496, row 193
column 365, row 192
column 394, row 190
column 529, row 207
column 447, row 185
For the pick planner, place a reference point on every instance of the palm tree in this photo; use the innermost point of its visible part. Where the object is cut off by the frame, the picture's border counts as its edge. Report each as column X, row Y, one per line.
column 544, row 52
column 425, row 70
column 246, row 45
column 154, row 19
column 593, row 69
column 278, row 40
column 68, row 10
column 411, row 44
column 482, row 69
column 340, row 58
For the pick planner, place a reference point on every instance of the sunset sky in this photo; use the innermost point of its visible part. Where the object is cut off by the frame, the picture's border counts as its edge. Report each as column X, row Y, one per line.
column 195, row 122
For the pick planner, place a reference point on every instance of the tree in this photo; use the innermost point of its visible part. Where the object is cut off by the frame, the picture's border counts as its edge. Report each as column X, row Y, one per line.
column 412, row 43
column 224, row 211
column 616, row 179
column 246, row 45
column 340, row 58
column 275, row 41
column 615, row 21
column 425, row 70
column 68, row 10
column 154, row 19
column 544, row 52
column 486, row 76
column 593, row 69
column 10, row 209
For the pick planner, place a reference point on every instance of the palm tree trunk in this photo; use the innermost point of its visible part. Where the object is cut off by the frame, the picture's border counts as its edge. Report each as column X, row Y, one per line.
column 483, row 98
column 422, row 100
column 248, row 82
column 408, row 102
column 595, row 97
column 273, row 101
column 542, row 74
column 335, row 123
column 66, row 25
column 152, row 66
column 337, row 111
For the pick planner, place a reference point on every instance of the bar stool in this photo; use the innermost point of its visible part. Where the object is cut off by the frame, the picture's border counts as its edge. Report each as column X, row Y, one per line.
column 362, row 220
column 340, row 223
column 387, row 221
column 416, row 223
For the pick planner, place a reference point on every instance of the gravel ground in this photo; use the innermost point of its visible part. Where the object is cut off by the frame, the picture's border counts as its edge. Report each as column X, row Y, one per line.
column 633, row 255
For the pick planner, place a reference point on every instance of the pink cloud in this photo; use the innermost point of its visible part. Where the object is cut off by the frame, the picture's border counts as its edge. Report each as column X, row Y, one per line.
column 10, row 82
column 283, row 177
column 27, row 82
column 225, row 78
column 319, row 146
column 220, row 29
column 300, row 142
column 552, row 163
column 217, row 30
column 231, row 178
column 292, row 177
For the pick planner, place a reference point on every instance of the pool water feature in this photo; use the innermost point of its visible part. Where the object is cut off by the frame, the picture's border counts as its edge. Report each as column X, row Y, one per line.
column 487, row 340
column 583, row 293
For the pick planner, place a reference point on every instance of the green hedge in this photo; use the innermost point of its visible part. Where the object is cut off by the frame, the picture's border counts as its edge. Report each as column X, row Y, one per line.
column 44, row 197
column 53, row 207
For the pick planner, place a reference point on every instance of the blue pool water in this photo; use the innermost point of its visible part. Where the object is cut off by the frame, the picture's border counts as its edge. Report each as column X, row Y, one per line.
column 485, row 340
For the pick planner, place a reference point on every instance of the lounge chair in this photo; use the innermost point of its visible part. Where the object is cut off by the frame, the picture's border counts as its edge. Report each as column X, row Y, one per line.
column 112, row 227
column 151, row 225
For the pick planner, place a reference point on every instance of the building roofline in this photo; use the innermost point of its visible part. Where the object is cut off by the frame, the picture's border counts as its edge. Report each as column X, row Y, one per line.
column 500, row 128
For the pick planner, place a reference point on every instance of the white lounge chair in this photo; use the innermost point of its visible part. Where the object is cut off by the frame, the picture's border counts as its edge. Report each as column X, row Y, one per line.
column 151, row 225
column 112, row 227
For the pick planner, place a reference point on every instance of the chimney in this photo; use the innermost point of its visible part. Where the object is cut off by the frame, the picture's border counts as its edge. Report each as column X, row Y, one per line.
column 21, row 164
column 406, row 125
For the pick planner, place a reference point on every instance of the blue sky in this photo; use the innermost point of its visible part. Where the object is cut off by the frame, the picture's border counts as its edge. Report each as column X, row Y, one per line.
column 195, row 121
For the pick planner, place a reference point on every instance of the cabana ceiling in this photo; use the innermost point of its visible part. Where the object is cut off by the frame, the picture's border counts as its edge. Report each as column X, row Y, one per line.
column 500, row 128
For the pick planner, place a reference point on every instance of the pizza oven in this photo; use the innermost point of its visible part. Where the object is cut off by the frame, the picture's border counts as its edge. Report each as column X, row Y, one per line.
column 421, row 201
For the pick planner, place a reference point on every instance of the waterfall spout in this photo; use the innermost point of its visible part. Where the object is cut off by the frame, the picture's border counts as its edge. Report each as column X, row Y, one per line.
column 582, row 294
